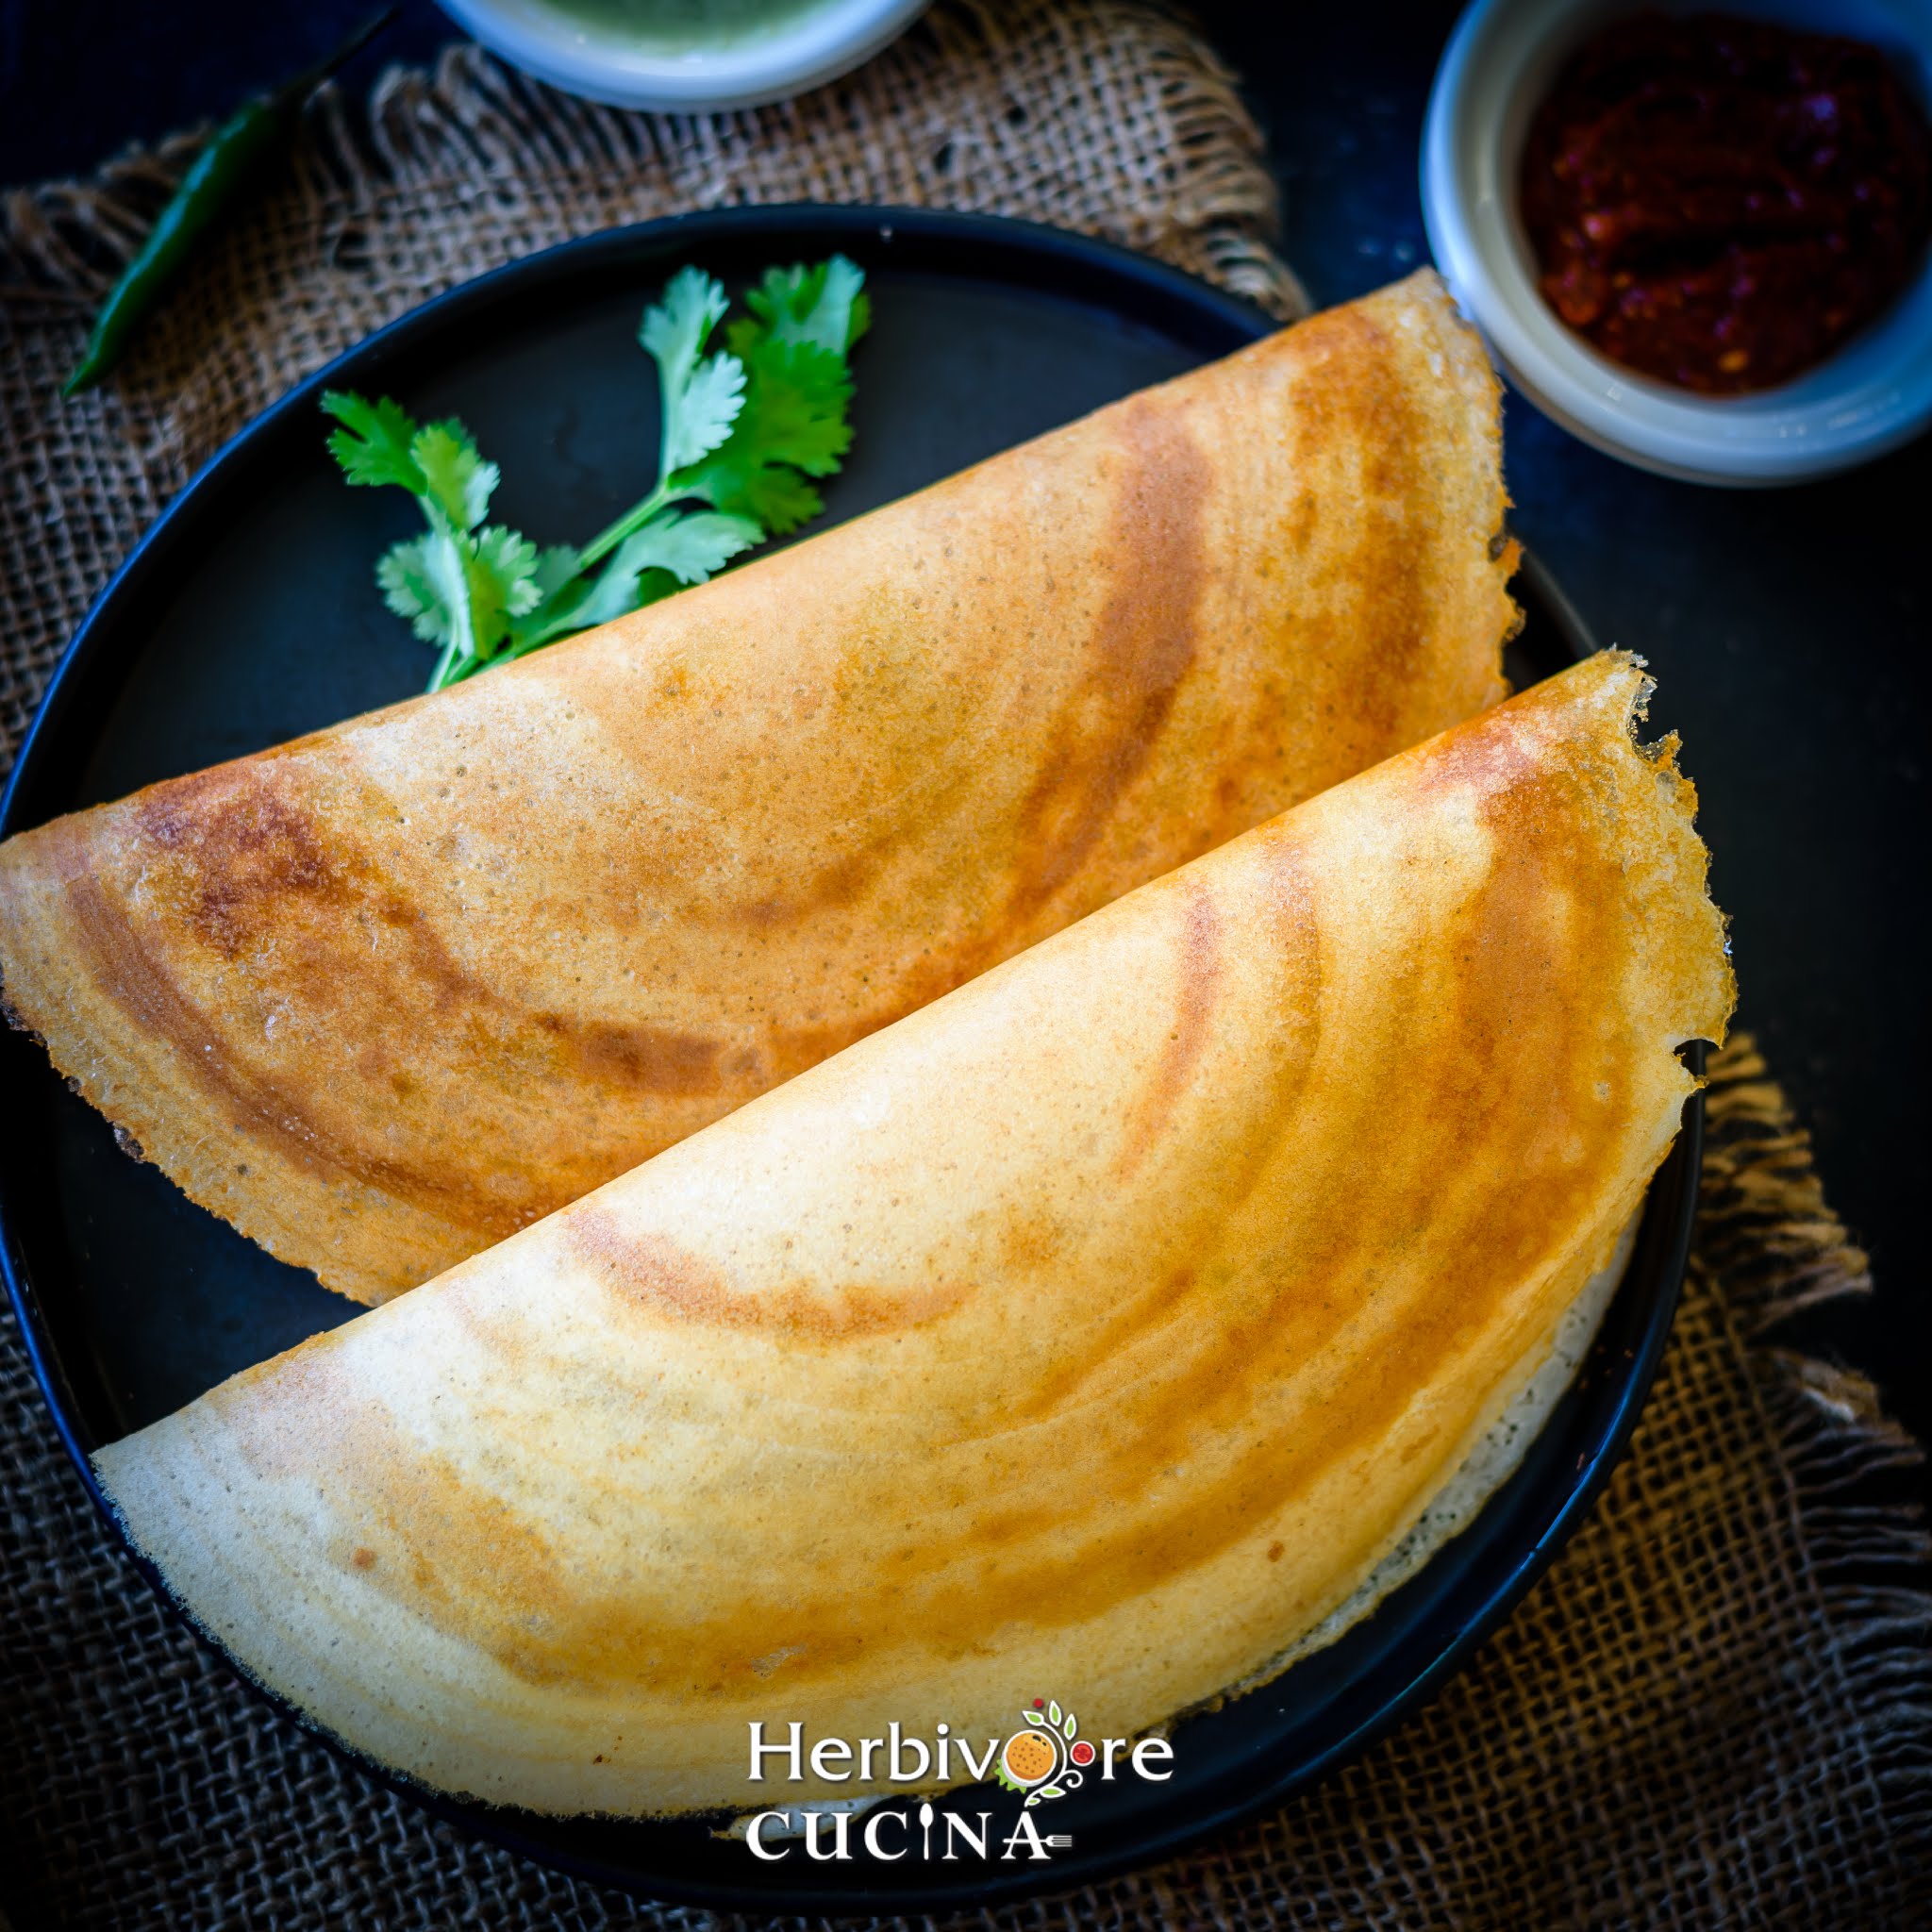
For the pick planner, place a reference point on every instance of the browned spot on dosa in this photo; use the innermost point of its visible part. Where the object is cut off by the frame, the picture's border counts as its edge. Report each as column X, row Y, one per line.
column 1197, row 981
column 232, row 867
column 655, row 1275
column 132, row 975
column 649, row 1059
column 1371, row 562
column 1141, row 649
column 839, row 883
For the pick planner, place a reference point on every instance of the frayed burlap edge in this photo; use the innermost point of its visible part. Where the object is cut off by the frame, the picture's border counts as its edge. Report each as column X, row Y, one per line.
column 1204, row 201
column 1768, row 1236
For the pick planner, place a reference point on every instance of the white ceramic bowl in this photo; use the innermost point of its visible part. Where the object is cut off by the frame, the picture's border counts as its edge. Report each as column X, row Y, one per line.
column 1872, row 394
column 603, row 64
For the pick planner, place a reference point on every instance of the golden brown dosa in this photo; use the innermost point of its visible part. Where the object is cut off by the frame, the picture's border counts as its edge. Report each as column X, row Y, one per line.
column 392, row 991
column 1092, row 1331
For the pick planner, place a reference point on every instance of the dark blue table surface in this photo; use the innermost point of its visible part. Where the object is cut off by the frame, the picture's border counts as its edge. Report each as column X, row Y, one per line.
column 1789, row 631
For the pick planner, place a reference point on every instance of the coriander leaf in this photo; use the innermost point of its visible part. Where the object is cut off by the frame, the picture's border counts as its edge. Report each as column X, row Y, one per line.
column 824, row 305
column 692, row 546
column 770, row 494
column 498, row 572
column 372, row 445
column 745, row 429
column 672, row 549
column 796, row 402
column 428, row 582
column 414, row 585
column 587, row 602
column 556, row 617
column 613, row 591
column 676, row 327
column 791, row 391
column 460, row 591
column 503, row 567
column 560, row 592
column 794, row 419
column 454, row 476
column 700, row 398
column 702, row 416
column 556, row 567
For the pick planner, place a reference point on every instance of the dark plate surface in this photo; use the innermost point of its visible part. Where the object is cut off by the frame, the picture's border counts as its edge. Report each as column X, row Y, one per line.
column 248, row 616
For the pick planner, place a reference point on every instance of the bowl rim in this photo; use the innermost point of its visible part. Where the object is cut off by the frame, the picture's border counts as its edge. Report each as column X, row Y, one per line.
column 1868, row 396
column 824, row 43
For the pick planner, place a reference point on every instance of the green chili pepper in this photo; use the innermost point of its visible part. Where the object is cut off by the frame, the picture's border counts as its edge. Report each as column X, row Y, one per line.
column 209, row 188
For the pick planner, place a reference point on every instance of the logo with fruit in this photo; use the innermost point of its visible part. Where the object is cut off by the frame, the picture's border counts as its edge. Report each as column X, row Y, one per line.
column 1048, row 1757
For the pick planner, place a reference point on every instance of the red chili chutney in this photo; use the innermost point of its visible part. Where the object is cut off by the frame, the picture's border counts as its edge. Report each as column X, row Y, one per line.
column 1721, row 201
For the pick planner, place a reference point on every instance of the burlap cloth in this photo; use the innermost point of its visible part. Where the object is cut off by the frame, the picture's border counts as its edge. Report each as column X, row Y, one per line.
column 1715, row 1709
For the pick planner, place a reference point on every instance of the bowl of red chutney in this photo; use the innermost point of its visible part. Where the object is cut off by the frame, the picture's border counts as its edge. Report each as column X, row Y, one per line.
column 1698, row 239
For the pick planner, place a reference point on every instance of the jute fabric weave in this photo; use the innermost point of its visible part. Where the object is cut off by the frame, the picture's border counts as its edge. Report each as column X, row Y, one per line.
column 1715, row 1710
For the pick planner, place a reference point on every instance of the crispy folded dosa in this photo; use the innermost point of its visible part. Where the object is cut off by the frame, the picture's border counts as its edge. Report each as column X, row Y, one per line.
column 1096, row 1329
column 392, row 991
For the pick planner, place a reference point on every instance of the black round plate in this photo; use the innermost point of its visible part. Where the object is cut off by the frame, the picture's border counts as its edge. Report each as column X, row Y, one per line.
column 249, row 615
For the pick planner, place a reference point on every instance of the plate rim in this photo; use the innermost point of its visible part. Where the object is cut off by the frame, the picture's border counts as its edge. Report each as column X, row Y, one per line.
column 1667, row 1216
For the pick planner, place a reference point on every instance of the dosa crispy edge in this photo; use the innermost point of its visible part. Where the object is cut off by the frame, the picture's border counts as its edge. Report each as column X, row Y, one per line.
column 387, row 993
column 1096, row 1328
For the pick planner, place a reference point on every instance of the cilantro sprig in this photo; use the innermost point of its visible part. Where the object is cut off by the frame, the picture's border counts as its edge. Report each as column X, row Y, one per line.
column 747, row 431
